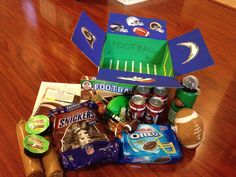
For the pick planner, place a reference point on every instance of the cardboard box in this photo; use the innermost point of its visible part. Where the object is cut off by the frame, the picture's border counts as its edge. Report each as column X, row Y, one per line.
column 135, row 50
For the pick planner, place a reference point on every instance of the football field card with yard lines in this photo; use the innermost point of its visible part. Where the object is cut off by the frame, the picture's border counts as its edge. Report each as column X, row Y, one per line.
column 135, row 50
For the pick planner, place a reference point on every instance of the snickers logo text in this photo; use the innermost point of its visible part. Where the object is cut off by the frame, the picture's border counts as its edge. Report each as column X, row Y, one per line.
column 76, row 118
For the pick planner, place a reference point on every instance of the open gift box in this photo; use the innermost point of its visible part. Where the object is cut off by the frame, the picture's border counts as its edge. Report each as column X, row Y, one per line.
column 136, row 51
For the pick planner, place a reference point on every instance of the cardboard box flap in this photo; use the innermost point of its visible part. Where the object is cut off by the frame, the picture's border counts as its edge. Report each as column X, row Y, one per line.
column 137, row 78
column 137, row 26
column 189, row 53
column 89, row 38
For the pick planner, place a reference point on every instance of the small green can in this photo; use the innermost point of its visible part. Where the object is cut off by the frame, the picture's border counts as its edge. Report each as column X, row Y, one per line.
column 184, row 97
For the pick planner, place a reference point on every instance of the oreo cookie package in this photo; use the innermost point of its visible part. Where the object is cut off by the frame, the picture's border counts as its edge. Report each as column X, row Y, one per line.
column 150, row 143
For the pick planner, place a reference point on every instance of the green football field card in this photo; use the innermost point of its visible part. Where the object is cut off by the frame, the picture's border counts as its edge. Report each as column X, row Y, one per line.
column 135, row 50
column 136, row 54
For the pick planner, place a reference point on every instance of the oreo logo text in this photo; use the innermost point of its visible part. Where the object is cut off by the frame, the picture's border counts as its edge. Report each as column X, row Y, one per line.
column 142, row 135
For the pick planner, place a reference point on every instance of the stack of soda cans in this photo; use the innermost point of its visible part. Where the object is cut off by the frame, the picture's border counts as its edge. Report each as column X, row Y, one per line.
column 147, row 104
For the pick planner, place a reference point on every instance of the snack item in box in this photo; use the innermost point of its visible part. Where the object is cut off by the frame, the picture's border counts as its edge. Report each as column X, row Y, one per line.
column 90, row 86
column 91, row 153
column 87, row 90
column 32, row 166
column 77, row 138
column 115, row 106
column 45, row 108
column 35, row 145
column 52, row 169
column 100, row 102
column 150, row 143
column 37, row 125
column 79, row 135
column 74, row 126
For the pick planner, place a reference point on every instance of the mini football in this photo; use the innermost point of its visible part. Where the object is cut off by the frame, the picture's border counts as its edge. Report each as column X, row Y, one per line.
column 189, row 128
column 141, row 31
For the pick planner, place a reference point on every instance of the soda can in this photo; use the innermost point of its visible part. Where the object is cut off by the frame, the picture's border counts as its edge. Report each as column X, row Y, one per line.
column 155, row 106
column 144, row 91
column 161, row 93
column 137, row 106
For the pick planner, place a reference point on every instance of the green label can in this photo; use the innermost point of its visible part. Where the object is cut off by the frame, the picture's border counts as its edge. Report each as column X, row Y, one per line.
column 183, row 98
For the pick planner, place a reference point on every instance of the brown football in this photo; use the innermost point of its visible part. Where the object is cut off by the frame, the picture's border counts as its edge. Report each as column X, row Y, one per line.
column 189, row 128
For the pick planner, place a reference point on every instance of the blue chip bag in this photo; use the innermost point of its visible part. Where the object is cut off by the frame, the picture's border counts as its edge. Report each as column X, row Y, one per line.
column 150, row 143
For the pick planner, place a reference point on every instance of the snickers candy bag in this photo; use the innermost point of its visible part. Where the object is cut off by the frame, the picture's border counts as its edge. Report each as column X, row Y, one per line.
column 72, row 125
column 77, row 138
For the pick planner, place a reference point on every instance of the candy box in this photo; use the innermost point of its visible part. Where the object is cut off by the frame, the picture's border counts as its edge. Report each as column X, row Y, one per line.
column 135, row 50
column 150, row 143
column 90, row 86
